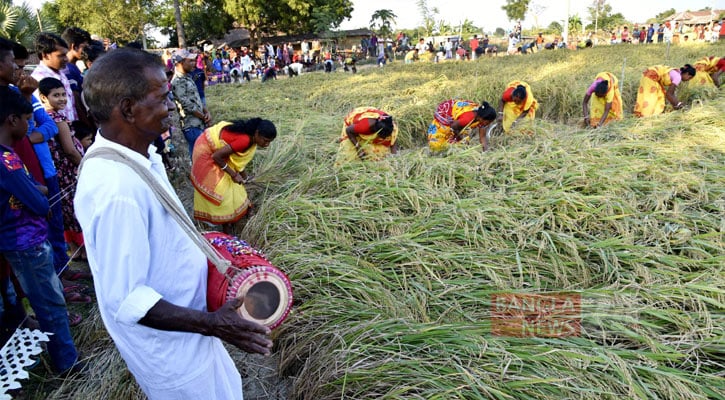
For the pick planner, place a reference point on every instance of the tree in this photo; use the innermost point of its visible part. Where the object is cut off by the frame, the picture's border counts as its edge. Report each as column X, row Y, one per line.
column 429, row 17
column 500, row 32
column 555, row 27
column 123, row 21
column 536, row 9
column 289, row 16
column 516, row 9
column 179, row 24
column 203, row 20
column 601, row 14
column 575, row 24
column 21, row 23
column 381, row 21
column 664, row 14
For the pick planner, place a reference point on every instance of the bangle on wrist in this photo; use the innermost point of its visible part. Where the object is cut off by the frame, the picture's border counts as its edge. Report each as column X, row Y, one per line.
column 226, row 165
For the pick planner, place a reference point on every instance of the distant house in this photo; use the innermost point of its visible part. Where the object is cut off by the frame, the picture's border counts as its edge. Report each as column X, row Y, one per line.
column 690, row 19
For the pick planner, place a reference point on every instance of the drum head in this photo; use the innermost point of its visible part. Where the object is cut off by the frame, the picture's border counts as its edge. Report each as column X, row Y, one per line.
column 267, row 294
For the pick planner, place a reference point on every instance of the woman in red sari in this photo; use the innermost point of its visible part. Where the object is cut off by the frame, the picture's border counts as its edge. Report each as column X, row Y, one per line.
column 367, row 134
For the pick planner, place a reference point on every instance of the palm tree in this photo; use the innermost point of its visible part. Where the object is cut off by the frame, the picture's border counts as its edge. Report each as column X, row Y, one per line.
column 21, row 24
column 386, row 17
column 8, row 18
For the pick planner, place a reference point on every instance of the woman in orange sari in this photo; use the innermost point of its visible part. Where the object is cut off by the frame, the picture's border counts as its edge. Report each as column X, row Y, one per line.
column 708, row 72
column 367, row 134
column 517, row 106
column 606, row 105
column 454, row 120
column 651, row 95
column 217, row 170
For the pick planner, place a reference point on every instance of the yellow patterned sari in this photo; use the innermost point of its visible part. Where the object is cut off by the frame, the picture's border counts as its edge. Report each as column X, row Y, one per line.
column 651, row 94
column 704, row 67
column 597, row 105
column 512, row 111
column 217, row 198
column 375, row 148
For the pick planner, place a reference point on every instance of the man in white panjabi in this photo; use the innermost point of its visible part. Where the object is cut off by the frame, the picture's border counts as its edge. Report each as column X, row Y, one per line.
column 149, row 276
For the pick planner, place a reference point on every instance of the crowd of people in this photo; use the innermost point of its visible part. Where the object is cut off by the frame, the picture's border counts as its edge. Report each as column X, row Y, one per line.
column 456, row 120
column 56, row 189
column 83, row 145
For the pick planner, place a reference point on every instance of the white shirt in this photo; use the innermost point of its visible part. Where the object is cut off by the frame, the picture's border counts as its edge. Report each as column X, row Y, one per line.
column 246, row 62
column 138, row 255
column 43, row 71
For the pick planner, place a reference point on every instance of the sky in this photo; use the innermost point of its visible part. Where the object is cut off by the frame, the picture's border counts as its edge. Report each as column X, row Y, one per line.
column 489, row 15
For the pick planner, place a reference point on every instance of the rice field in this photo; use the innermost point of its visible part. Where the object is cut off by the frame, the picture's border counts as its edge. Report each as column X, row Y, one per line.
column 396, row 264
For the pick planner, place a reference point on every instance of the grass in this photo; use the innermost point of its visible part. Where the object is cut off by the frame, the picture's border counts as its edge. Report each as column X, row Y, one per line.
column 394, row 264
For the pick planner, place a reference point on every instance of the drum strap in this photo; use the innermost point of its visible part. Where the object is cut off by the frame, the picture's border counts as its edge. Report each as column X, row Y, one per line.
column 171, row 205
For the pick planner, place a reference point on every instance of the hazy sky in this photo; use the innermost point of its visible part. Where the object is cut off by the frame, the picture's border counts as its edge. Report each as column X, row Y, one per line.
column 489, row 15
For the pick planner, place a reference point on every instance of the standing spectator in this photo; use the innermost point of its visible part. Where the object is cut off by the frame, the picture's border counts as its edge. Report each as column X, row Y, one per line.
column 667, row 32
column 421, row 46
column 715, row 34
column 43, row 130
column 217, row 65
column 635, row 35
column 199, row 77
column 722, row 29
column 643, row 35
column 24, row 232
column 77, row 40
column 474, row 45
column 512, row 48
column 247, row 64
column 316, row 51
column 625, row 35
column 539, row 42
column 149, row 275
column 364, row 43
column 67, row 152
column 650, row 33
column 373, row 45
column 194, row 116
column 448, row 48
column 52, row 51
column 660, row 33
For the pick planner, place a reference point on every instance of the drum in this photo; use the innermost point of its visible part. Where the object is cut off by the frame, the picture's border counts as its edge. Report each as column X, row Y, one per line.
column 266, row 290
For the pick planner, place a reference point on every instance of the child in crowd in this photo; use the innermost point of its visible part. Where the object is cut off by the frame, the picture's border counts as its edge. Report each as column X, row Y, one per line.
column 24, row 234
column 67, row 152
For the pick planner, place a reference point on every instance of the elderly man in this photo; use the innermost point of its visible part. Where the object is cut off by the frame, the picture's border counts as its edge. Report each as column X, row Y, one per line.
column 194, row 116
column 150, row 277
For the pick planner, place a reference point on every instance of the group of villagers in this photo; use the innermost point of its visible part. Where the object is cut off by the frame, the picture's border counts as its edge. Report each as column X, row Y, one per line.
column 225, row 149
column 371, row 134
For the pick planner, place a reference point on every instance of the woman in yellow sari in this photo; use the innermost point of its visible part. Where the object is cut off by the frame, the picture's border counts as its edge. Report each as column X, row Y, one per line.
column 453, row 121
column 606, row 105
column 516, row 106
column 708, row 72
column 652, row 94
column 217, row 170
column 367, row 134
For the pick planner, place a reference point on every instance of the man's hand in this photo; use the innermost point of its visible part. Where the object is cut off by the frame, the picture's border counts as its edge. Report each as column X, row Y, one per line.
column 27, row 85
column 229, row 326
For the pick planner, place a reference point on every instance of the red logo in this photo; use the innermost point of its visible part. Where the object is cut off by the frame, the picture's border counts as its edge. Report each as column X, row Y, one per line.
column 536, row 315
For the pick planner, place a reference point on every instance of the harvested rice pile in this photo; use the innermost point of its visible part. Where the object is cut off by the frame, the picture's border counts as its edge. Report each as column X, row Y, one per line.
column 395, row 264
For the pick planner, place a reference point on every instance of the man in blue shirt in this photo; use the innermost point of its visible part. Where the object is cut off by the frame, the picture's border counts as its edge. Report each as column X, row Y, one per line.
column 24, row 232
